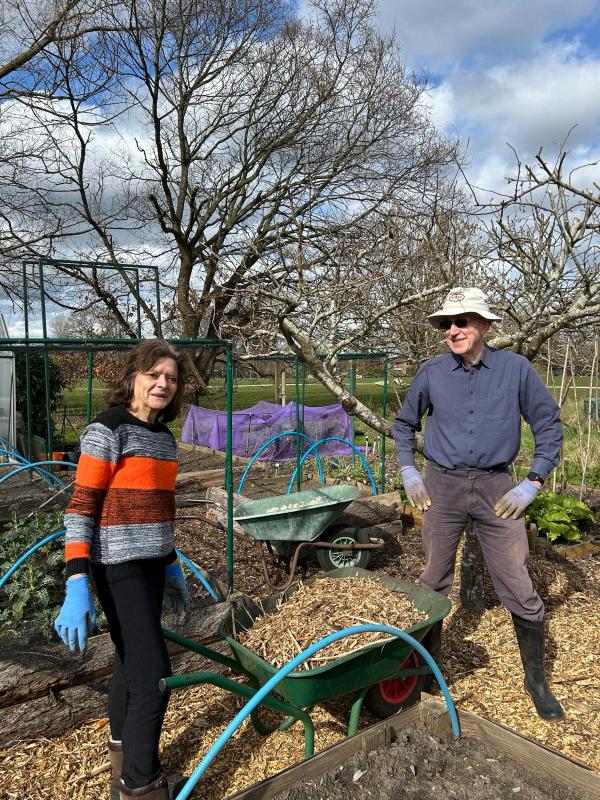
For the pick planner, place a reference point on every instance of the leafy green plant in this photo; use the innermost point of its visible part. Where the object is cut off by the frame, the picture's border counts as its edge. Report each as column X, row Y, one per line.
column 37, row 387
column 31, row 598
column 557, row 515
column 346, row 469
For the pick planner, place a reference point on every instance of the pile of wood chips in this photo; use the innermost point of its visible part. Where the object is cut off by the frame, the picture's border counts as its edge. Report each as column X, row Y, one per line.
column 323, row 606
column 480, row 661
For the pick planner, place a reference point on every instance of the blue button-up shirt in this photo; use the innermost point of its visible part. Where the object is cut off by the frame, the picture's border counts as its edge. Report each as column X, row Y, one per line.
column 474, row 413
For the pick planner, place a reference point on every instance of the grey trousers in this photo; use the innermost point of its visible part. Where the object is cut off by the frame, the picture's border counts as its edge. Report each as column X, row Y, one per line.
column 457, row 496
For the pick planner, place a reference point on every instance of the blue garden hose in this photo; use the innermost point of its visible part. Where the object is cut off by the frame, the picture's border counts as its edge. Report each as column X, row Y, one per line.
column 191, row 566
column 8, row 451
column 191, row 782
column 335, row 439
column 5, row 443
column 51, row 537
column 35, row 464
column 21, row 560
column 267, row 443
column 45, row 474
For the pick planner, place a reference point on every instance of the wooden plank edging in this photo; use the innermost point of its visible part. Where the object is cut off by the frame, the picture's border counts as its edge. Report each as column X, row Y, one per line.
column 373, row 737
column 432, row 713
column 534, row 756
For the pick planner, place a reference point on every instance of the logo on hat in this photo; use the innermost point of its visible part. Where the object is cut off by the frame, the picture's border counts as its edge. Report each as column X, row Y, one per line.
column 456, row 297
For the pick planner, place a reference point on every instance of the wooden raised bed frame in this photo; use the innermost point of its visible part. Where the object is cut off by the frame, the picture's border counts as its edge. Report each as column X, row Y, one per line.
column 432, row 713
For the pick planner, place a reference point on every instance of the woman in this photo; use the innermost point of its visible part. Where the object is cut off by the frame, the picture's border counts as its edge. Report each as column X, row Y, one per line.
column 120, row 525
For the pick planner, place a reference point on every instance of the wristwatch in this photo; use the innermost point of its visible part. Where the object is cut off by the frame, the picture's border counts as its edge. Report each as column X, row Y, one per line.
column 535, row 476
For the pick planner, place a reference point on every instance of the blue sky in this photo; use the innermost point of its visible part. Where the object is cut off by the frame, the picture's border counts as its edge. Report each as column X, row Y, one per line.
column 522, row 72
column 518, row 72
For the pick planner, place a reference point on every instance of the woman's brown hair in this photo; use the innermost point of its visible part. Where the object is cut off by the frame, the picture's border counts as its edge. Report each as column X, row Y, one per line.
column 141, row 359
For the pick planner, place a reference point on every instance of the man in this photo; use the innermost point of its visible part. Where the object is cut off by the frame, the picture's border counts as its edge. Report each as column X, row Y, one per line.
column 474, row 398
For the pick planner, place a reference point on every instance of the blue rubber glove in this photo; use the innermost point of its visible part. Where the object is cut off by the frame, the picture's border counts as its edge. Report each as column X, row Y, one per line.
column 514, row 502
column 414, row 485
column 177, row 597
column 77, row 616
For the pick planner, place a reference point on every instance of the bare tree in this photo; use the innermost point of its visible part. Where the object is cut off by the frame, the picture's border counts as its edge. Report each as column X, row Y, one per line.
column 544, row 267
column 346, row 291
column 30, row 32
column 249, row 124
column 28, row 27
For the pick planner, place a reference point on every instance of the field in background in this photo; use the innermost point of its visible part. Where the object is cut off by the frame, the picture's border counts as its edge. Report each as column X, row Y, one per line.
column 582, row 440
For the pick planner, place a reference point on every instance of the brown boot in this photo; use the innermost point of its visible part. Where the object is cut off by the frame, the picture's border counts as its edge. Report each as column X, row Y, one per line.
column 157, row 790
column 115, row 756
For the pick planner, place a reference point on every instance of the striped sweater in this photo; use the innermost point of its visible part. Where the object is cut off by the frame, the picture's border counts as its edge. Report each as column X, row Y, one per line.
column 123, row 505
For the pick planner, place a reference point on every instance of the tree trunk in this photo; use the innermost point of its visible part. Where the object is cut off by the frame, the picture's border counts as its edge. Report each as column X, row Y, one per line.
column 29, row 671
column 60, row 711
column 45, row 691
column 472, row 595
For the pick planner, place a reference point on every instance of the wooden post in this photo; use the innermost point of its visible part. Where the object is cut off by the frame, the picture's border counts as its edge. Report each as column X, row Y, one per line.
column 283, row 398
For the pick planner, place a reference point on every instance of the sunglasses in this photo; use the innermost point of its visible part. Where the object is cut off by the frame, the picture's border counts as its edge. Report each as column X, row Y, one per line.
column 446, row 324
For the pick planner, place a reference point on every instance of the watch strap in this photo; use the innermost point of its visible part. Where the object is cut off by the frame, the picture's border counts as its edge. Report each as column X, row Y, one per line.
column 535, row 476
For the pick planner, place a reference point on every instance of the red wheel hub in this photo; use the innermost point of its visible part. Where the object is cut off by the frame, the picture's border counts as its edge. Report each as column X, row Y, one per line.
column 396, row 690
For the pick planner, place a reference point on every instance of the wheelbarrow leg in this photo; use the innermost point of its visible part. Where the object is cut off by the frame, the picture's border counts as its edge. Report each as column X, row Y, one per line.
column 297, row 714
column 355, row 710
column 287, row 709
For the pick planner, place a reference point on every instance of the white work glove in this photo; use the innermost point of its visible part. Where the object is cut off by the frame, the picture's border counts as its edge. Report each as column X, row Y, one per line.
column 514, row 502
column 414, row 485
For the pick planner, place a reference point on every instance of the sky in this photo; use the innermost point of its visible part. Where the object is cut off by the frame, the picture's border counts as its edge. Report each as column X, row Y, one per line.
column 524, row 73
column 518, row 72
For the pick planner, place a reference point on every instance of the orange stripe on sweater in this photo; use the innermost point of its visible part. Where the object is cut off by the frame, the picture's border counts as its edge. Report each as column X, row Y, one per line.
column 94, row 473
column 76, row 550
column 138, row 472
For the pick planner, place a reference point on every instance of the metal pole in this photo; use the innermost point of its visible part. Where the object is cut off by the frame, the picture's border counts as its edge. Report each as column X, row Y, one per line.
column 298, row 443
column 90, row 368
column 50, row 446
column 158, row 317
column 27, row 365
column 303, row 393
column 352, row 390
column 384, row 414
column 139, row 310
column 229, row 466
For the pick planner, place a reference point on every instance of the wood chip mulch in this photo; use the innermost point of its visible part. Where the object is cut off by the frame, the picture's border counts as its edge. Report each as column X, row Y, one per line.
column 321, row 607
column 480, row 662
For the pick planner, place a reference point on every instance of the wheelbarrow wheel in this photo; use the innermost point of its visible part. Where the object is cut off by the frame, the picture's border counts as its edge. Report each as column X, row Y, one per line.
column 334, row 559
column 395, row 694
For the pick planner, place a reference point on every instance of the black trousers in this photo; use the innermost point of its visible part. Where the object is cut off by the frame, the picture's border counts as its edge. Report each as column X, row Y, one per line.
column 131, row 596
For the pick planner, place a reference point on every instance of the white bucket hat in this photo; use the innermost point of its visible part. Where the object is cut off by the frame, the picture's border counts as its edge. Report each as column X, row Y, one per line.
column 464, row 300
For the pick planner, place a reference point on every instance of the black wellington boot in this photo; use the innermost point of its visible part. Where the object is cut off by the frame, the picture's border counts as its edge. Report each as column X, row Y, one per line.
column 432, row 641
column 165, row 787
column 530, row 636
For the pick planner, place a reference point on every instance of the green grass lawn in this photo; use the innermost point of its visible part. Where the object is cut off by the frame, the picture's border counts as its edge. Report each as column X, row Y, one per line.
column 249, row 391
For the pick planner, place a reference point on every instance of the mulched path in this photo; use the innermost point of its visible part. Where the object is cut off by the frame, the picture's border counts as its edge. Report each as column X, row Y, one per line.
column 480, row 661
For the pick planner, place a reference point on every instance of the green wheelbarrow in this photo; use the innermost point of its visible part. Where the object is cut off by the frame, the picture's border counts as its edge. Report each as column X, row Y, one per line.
column 290, row 524
column 387, row 678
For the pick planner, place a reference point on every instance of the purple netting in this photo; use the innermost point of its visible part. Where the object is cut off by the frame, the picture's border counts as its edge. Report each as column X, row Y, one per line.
column 254, row 426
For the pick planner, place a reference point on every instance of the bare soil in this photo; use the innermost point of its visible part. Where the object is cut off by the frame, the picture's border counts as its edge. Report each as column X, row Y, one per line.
column 419, row 766
column 26, row 493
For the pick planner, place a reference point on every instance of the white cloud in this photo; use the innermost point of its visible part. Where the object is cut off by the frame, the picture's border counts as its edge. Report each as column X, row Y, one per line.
column 527, row 103
column 442, row 103
column 434, row 32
